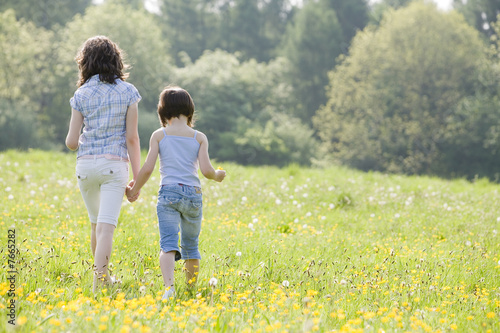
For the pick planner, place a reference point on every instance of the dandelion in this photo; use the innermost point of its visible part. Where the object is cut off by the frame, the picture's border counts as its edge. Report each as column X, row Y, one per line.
column 453, row 326
column 468, row 243
column 331, row 206
column 285, row 283
column 22, row 320
column 10, row 197
column 244, row 199
column 212, row 282
column 238, row 254
column 250, row 226
column 343, row 282
column 8, row 189
column 397, row 215
column 278, row 201
column 490, row 315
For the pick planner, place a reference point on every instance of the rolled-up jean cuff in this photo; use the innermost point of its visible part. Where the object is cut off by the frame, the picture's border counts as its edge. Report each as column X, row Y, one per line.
column 177, row 253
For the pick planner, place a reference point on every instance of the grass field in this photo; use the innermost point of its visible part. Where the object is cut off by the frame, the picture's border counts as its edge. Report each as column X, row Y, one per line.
column 292, row 250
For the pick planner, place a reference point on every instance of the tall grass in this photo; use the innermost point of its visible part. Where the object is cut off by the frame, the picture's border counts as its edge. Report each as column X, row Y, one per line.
column 292, row 250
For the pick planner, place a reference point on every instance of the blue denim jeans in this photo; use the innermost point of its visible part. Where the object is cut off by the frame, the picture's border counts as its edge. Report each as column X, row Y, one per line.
column 179, row 208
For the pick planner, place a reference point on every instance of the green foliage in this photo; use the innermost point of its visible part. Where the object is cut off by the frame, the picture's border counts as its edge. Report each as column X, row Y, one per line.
column 25, row 80
column 390, row 99
column 379, row 9
column 46, row 13
column 242, row 108
column 470, row 146
column 252, row 28
column 312, row 44
column 189, row 25
column 481, row 14
column 17, row 126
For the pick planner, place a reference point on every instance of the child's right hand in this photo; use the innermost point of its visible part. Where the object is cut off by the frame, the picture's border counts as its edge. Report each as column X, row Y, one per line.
column 219, row 175
column 128, row 192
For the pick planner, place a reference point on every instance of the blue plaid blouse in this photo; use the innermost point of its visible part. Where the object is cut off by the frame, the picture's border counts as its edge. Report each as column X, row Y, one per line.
column 104, row 109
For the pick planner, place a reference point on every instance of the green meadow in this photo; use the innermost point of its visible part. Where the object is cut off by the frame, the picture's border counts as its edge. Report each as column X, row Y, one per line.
column 291, row 250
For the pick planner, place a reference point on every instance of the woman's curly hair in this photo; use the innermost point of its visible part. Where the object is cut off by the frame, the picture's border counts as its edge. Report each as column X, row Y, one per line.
column 99, row 55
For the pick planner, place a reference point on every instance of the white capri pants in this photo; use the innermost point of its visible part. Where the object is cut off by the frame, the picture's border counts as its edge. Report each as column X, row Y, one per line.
column 102, row 183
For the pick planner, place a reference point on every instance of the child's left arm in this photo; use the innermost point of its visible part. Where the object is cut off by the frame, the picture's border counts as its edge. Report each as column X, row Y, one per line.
column 75, row 127
column 147, row 168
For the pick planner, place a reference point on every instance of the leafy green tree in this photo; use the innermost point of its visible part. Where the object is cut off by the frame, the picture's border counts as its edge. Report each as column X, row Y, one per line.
column 137, row 34
column 246, row 26
column 190, row 26
column 252, row 28
column 470, row 146
column 243, row 108
column 353, row 15
column 379, row 8
column 479, row 13
column 46, row 13
column 313, row 42
column 391, row 98
column 25, row 81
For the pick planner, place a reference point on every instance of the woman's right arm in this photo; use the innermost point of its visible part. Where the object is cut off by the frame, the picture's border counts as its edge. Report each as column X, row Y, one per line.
column 132, row 137
column 75, row 127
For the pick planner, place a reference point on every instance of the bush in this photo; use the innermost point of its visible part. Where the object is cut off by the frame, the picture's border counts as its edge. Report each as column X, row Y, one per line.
column 17, row 127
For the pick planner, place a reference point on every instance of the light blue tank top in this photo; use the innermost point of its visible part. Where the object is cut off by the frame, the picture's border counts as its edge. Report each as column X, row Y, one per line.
column 179, row 160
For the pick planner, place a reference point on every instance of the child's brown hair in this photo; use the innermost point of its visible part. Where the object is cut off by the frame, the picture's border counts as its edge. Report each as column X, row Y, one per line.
column 175, row 101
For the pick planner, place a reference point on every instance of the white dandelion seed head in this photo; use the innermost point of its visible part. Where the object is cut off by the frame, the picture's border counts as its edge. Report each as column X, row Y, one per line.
column 8, row 189
column 238, row 254
column 468, row 243
column 343, row 282
column 331, row 206
column 212, row 282
column 278, row 201
column 296, row 220
column 243, row 199
column 10, row 197
column 285, row 283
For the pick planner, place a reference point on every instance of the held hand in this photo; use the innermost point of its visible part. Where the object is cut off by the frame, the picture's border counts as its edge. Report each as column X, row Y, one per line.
column 219, row 175
column 128, row 192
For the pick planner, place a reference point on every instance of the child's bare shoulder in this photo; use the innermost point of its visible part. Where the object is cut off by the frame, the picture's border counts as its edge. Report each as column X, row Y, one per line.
column 201, row 137
column 158, row 134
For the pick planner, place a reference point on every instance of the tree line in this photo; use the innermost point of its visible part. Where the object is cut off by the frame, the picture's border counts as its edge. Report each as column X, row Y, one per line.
column 397, row 86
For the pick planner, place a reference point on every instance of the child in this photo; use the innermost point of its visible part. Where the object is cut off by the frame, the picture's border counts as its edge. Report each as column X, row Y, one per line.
column 181, row 148
column 107, row 107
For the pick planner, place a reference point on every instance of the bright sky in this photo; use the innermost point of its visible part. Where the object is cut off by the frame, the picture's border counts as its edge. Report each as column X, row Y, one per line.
column 443, row 4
